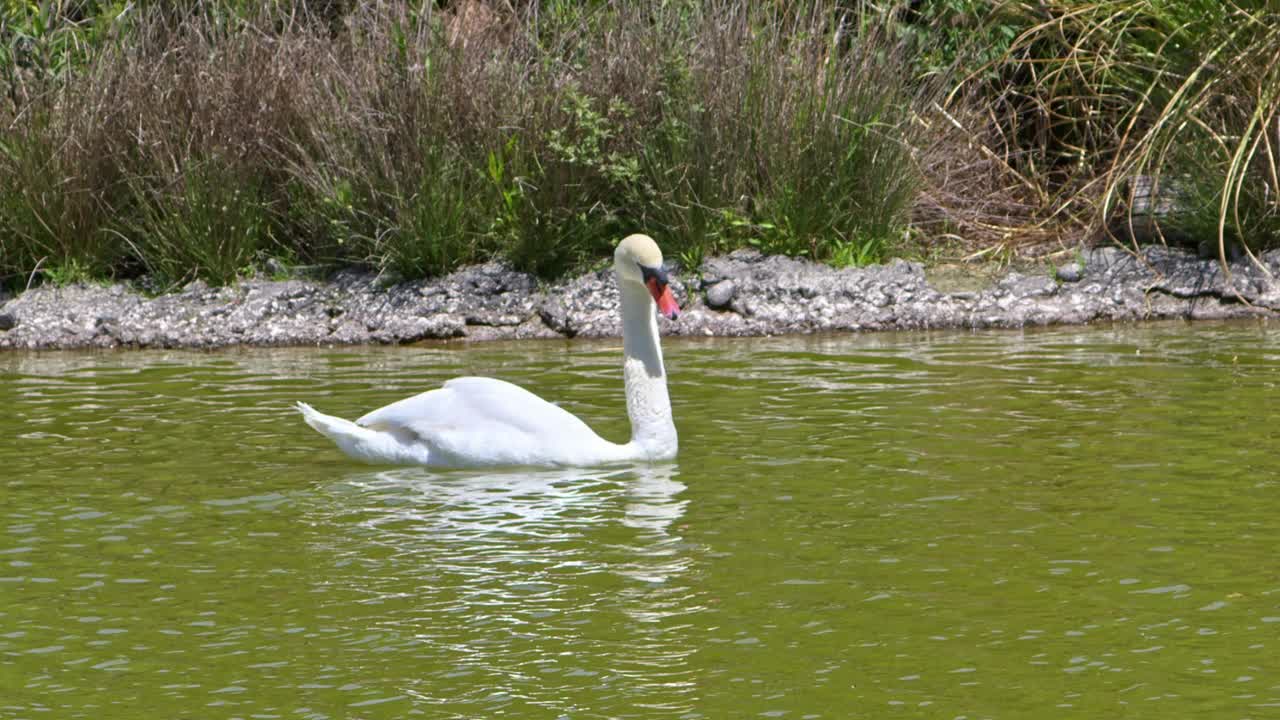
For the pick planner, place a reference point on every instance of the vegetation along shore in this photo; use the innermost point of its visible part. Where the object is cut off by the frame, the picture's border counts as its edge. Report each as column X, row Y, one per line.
column 340, row 144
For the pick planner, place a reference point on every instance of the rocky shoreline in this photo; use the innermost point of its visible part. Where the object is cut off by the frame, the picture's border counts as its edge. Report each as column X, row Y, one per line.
column 740, row 294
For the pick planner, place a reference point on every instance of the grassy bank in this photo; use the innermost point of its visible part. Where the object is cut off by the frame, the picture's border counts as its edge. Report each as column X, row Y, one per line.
column 412, row 138
column 206, row 137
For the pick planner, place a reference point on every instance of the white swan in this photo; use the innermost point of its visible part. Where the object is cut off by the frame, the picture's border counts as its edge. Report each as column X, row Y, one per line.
column 484, row 422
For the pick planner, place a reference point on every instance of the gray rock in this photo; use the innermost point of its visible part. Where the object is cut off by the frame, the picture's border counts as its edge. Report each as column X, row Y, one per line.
column 275, row 268
column 1103, row 258
column 1019, row 287
column 745, row 293
column 400, row 329
column 1070, row 272
column 721, row 294
column 555, row 315
column 492, row 319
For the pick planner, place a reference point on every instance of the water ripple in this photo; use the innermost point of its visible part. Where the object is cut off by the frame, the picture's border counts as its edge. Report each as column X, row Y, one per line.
column 965, row 524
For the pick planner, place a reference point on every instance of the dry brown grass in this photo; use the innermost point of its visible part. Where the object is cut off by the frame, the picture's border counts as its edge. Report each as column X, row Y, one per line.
column 1140, row 120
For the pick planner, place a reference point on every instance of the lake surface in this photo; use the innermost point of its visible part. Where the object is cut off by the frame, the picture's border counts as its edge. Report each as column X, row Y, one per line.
column 1065, row 523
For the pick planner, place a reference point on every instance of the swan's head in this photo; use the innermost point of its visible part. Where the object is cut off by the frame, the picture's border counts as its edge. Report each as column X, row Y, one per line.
column 639, row 260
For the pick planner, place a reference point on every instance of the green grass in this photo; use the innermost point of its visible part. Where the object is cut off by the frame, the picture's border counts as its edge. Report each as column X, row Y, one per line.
column 199, row 139
column 409, row 138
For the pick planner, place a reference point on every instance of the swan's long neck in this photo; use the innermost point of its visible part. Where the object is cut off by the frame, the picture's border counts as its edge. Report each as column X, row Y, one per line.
column 652, row 429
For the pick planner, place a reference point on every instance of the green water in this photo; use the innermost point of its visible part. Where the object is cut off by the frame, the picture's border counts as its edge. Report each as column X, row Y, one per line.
column 1069, row 523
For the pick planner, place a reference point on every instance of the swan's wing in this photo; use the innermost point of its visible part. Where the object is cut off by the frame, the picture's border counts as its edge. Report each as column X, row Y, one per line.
column 474, row 400
column 476, row 418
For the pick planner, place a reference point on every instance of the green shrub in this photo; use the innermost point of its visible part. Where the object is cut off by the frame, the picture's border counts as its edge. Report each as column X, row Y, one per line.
column 53, row 215
column 194, row 139
column 210, row 224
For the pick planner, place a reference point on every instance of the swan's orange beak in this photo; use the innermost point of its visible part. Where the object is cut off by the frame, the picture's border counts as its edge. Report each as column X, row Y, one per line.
column 661, row 293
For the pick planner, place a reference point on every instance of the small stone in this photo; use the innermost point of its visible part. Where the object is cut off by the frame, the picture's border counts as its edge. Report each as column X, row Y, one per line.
column 1071, row 272
column 275, row 268
column 8, row 321
column 1106, row 257
column 721, row 294
column 1024, row 286
column 555, row 315
column 749, row 255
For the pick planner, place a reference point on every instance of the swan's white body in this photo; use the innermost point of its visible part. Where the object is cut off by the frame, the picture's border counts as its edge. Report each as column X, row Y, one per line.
column 484, row 422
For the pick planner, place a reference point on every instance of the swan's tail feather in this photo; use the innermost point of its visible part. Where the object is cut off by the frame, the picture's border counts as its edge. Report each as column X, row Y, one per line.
column 358, row 442
column 327, row 425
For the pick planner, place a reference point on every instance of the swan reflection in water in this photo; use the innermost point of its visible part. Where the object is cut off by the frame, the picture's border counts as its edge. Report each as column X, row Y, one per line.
column 528, row 587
